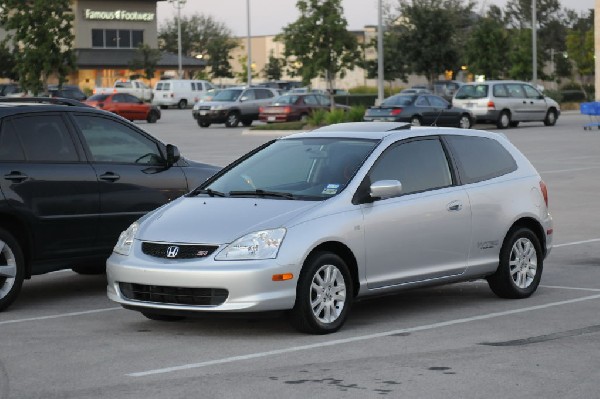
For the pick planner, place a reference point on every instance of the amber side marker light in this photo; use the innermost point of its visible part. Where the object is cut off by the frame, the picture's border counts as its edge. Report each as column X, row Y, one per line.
column 282, row 277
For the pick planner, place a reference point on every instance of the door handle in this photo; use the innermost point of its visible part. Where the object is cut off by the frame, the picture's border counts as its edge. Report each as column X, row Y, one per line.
column 110, row 176
column 454, row 206
column 16, row 176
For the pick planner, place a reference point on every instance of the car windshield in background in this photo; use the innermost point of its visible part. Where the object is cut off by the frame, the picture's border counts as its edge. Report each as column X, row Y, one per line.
column 399, row 100
column 472, row 91
column 227, row 95
column 305, row 169
column 285, row 100
column 98, row 97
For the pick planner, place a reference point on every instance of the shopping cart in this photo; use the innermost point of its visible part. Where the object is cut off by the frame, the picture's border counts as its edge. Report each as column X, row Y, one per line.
column 593, row 110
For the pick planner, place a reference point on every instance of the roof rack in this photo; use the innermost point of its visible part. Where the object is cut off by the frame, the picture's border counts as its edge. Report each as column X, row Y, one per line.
column 44, row 100
column 365, row 127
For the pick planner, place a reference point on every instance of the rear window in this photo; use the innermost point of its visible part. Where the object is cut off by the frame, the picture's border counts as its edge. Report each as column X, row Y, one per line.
column 480, row 158
column 472, row 92
column 399, row 100
column 98, row 97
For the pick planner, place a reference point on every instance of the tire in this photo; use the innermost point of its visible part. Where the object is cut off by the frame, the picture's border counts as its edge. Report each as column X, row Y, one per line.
column 247, row 122
column 416, row 121
column 514, row 124
column 163, row 107
column 182, row 104
column 521, row 263
column 90, row 270
column 465, row 122
column 334, row 294
column 233, row 119
column 152, row 117
column 162, row 317
column 503, row 120
column 550, row 119
column 202, row 123
column 12, row 269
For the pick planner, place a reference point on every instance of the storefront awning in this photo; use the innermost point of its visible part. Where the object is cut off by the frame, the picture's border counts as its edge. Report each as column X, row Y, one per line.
column 121, row 58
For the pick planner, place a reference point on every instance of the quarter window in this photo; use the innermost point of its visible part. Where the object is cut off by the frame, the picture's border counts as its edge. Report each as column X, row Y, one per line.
column 480, row 158
column 419, row 165
column 45, row 138
column 10, row 149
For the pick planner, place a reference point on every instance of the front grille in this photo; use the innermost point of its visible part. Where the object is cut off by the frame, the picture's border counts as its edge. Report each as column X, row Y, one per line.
column 175, row 251
column 174, row 295
column 204, row 107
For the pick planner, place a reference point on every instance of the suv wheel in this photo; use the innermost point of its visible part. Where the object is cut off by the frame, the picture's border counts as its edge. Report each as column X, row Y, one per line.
column 233, row 119
column 247, row 122
column 550, row 119
column 182, row 104
column 203, row 123
column 12, row 269
column 503, row 120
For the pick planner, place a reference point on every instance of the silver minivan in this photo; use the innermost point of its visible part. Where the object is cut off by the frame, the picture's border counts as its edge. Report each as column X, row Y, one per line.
column 506, row 103
column 310, row 222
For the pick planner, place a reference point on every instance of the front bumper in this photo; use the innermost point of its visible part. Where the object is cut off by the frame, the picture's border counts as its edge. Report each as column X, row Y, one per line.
column 211, row 116
column 249, row 284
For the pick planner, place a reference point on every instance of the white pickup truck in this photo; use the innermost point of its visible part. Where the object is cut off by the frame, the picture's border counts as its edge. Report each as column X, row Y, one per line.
column 133, row 87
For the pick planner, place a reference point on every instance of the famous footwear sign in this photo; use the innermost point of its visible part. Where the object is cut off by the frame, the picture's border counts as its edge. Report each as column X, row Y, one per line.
column 119, row 15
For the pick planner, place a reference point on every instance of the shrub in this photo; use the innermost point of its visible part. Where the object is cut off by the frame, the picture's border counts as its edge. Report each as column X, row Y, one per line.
column 335, row 116
column 355, row 114
column 317, row 118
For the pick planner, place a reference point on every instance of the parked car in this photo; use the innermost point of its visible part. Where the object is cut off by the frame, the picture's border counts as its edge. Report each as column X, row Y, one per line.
column 420, row 109
column 416, row 90
column 180, row 93
column 234, row 105
column 125, row 105
column 73, row 177
column 309, row 222
column 67, row 91
column 293, row 107
column 136, row 88
column 6, row 89
column 446, row 88
column 507, row 103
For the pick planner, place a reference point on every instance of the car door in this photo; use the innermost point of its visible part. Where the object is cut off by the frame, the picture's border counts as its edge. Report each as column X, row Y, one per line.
column 444, row 115
column 134, row 178
column 428, row 113
column 536, row 106
column 136, row 109
column 48, row 184
column 517, row 102
column 424, row 233
column 119, row 105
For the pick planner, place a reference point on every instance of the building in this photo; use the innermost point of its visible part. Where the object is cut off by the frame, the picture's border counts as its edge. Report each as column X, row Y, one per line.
column 107, row 34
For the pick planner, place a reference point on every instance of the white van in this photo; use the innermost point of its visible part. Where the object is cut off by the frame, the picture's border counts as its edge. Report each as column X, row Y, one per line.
column 179, row 92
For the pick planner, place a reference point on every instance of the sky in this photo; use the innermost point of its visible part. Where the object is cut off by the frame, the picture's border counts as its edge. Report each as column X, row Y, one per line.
column 267, row 17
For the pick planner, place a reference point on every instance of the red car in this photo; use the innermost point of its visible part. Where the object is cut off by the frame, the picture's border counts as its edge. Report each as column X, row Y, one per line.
column 126, row 105
column 295, row 106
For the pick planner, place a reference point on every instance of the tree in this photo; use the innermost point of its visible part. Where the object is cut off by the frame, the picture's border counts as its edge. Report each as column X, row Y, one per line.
column 40, row 35
column 273, row 69
column 243, row 75
column 146, row 58
column 201, row 35
column 8, row 64
column 434, row 33
column 319, row 42
column 580, row 46
column 395, row 62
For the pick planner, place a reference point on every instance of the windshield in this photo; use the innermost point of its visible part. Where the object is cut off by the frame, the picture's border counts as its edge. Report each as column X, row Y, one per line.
column 228, row 95
column 285, row 100
column 305, row 169
column 472, row 91
column 398, row 100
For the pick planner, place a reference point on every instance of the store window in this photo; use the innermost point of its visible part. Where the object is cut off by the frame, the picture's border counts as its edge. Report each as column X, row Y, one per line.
column 113, row 38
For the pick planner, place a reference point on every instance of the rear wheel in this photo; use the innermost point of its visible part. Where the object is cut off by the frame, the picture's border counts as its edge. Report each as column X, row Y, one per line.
column 12, row 269
column 503, row 120
column 464, row 122
column 323, row 296
column 247, row 122
column 233, row 119
column 514, row 124
column 416, row 121
column 182, row 104
column 521, row 265
column 550, row 119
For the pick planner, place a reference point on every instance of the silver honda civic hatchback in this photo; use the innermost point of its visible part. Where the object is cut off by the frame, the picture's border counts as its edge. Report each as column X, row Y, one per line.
column 310, row 222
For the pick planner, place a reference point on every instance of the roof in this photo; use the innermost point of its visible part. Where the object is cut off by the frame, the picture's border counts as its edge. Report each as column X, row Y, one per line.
column 120, row 58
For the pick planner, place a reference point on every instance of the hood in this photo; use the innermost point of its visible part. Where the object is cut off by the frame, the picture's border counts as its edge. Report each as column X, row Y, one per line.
column 214, row 103
column 215, row 220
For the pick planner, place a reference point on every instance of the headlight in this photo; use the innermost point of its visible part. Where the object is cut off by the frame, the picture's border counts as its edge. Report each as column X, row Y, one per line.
column 125, row 241
column 258, row 245
column 218, row 107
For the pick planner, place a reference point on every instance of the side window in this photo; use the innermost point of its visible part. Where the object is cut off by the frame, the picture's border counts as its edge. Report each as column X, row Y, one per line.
column 419, row 165
column 500, row 91
column 111, row 141
column 262, row 94
column 531, row 92
column 515, row 90
column 45, row 138
column 480, row 158
column 324, row 100
column 118, row 98
column 437, row 102
column 310, row 100
column 129, row 98
column 422, row 102
column 249, row 95
column 10, row 149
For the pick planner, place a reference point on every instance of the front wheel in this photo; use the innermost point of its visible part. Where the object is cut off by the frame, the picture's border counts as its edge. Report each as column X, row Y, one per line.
column 12, row 269
column 465, row 122
column 233, row 119
column 152, row 117
column 323, row 296
column 203, row 123
column 521, row 264
column 550, row 119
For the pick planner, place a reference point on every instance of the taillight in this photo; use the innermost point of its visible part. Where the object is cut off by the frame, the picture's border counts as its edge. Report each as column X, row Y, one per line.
column 491, row 105
column 396, row 111
column 261, row 110
column 287, row 110
column 544, row 190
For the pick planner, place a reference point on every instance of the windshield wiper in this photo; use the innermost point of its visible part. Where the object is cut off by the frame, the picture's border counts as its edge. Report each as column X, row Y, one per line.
column 208, row 191
column 262, row 193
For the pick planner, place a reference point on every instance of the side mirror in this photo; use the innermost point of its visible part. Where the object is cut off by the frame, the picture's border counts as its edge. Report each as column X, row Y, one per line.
column 383, row 189
column 173, row 154
column 243, row 99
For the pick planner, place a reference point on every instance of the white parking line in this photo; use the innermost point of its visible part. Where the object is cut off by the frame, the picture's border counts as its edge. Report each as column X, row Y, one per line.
column 355, row 339
column 576, row 243
column 558, row 287
column 568, row 170
column 57, row 316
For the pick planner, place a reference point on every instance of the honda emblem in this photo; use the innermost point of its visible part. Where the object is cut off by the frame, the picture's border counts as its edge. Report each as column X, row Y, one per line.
column 172, row 251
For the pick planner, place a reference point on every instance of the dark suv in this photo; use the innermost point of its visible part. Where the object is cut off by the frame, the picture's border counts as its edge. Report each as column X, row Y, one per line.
column 71, row 179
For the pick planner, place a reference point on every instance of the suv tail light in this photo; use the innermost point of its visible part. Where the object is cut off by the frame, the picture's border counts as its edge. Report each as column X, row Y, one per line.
column 396, row 111
column 491, row 105
column 544, row 190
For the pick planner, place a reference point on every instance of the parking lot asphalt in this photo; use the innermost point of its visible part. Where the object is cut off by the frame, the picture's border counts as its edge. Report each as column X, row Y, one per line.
column 64, row 339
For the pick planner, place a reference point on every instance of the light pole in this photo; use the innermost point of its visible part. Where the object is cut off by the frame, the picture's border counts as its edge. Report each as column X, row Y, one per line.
column 179, row 5
column 380, row 94
column 534, row 40
column 249, row 66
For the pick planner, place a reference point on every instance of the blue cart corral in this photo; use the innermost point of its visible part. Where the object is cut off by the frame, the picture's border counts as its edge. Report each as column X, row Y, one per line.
column 593, row 110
